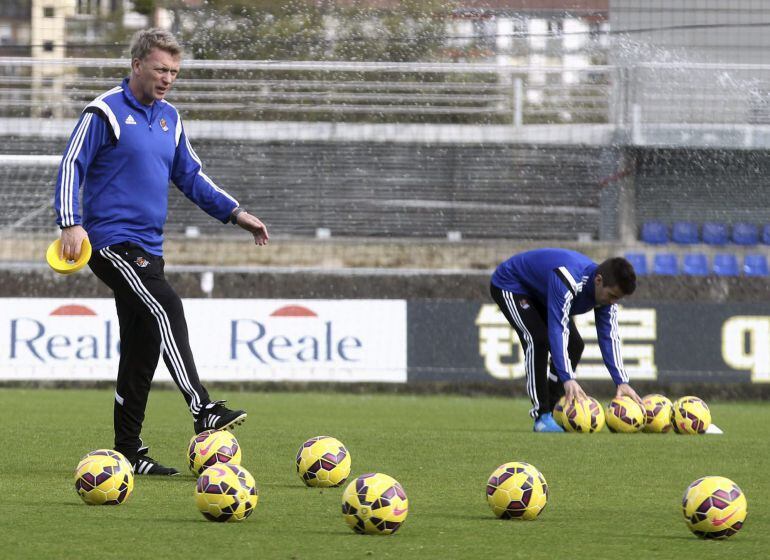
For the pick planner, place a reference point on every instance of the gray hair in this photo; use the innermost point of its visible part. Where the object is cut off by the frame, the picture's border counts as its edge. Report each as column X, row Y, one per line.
column 145, row 40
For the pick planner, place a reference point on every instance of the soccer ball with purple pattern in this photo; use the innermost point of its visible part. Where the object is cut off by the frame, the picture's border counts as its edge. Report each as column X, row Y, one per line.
column 211, row 447
column 658, row 412
column 323, row 461
column 558, row 411
column 585, row 416
column 517, row 490
column 226, row 492
column 375, row 504
column 714, row 507
column 104, row 477
column 691, row 416
column 624, row 415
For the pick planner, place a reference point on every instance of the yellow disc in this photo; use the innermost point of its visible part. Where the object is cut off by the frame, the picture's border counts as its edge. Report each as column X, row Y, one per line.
column 63, row 266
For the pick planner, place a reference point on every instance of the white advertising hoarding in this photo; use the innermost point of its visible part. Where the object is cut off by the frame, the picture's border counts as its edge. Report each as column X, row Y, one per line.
column 231, row 339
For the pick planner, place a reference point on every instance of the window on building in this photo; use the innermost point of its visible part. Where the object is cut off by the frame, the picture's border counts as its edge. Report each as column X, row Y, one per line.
column 6, row 34
column 555, row 27
column 48, row 11
column 48, row 46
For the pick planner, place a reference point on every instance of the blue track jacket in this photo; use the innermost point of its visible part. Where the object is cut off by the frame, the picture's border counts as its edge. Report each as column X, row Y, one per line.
column 562, row 281
column 124, row 154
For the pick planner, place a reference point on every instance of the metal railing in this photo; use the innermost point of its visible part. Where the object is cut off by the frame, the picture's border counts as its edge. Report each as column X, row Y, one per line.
column 326, row 91
column 678, row 103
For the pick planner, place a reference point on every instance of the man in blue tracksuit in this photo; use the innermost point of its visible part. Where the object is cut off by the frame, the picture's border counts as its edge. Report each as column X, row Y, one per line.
column 539, row 292
column 126, row 147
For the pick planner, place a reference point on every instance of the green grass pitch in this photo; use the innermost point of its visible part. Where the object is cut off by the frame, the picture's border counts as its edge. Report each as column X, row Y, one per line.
column 612, row 495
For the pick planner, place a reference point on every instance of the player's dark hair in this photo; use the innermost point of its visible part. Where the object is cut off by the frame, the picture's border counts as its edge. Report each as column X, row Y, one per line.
column 617, row 271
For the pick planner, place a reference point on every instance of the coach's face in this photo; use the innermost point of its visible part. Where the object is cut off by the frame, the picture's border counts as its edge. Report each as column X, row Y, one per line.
column 152, row 77
column 606, row 295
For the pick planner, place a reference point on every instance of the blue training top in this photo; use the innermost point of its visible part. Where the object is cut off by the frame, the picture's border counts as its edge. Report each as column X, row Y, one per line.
column 124, row 154
column 562, row 281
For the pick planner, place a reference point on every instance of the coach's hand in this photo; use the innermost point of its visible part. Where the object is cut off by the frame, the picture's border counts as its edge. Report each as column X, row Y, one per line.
column 255, row 226
column 624, row 389
column 71, row 241
column 572, row 390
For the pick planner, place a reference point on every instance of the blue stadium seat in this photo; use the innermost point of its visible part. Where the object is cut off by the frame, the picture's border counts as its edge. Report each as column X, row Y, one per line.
column 685, row 233
column 639, row 262
column 755, row 265
column 766, row 234
column 715, row 233
column 745, row 234
column 655, row 233
column 726, row 264
column 665, row 264
column 695, row 264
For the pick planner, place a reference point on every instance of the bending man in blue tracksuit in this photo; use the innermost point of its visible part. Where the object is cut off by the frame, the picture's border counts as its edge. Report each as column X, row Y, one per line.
column 539, row 292
column 127, row 145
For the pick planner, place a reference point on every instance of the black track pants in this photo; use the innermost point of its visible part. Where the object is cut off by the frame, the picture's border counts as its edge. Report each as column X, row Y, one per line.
column 529, row 319
column 152, row 322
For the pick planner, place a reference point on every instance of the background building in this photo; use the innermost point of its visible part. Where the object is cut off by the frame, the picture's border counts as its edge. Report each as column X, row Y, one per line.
column 15, row 23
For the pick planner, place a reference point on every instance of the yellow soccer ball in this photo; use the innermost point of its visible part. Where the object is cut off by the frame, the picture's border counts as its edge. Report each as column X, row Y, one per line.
column 691, row 416
column 586, row 416
column 658, row 412
column 323, row 461
column 375, row 504
column 226, row 492
column 517, row 490
column 104, row 477
column 624, row 415
column 558, row 411
column 714, row 507
column 211, row 447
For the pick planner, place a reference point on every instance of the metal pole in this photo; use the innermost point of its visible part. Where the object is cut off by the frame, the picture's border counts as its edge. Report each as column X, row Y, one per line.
column 518, row 102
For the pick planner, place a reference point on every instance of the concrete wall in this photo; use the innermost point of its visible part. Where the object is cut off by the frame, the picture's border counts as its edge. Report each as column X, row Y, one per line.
column 303, row 283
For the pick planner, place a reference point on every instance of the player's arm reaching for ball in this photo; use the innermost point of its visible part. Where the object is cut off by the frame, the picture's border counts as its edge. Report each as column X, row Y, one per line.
column 624, row 389
column 609, row 343
column 573, row 390
column 561, row 292
column 615, row 279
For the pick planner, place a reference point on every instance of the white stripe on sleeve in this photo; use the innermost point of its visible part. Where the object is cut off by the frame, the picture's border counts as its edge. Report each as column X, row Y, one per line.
column 617, row 353
column 68, row 189
column 565, row 333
